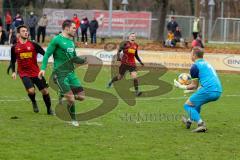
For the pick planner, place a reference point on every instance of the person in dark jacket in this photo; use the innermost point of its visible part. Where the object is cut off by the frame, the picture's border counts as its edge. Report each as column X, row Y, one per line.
column 93, row 30
column 12, row 38
column 32, row 23
column 8, row 20
column 18, row 20
column 84, row 27
column 1, row 23
column 178, row 37
column 172, row 25
column 3, row 36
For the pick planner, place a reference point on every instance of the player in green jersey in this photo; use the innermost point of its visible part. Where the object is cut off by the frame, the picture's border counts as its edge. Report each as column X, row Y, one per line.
column 62, row 48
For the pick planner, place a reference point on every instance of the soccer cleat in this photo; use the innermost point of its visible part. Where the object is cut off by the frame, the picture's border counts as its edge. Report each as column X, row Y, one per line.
column 201, row 128
column 186, row 122
column 50, row 112
column 138, row 93
column 109, row 85
column 35, row 107
column 75, row 123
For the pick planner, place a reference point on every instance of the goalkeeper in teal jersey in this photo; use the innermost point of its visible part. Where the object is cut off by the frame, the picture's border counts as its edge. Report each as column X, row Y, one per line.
column 203, row 74
column 62, row 48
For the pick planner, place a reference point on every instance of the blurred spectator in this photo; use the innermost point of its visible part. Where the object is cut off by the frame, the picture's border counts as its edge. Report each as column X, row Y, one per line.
column 32, row 23
column 3, row 36
column 12, row 39
column 172, row 25
column 170, row 39
column 1, row 24
column 84, row 27
column 76, row 20
column 178, row 37
column 93, row 30
column 197, row 42
column 8, row 20
column 42, row 24
column 18, row 20
column 196, row 27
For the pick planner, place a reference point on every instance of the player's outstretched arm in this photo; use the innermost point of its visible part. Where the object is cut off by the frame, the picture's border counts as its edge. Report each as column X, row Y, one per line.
column 79, row 60
column 120, row 49
column 38, row 48
column 12, row 63
column 138, row 58
column 51, row 48
column 118, row 55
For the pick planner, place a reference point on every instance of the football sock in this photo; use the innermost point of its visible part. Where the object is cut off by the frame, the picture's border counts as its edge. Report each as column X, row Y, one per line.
column 200, row 121
column 114, row 79
column 71, row 109
column 135, row 83
column 189, row 120
column 47, row 100
column 192, row 113
column 32, row 97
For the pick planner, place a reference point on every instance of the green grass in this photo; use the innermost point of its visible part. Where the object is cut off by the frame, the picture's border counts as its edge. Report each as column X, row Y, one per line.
column 112, row 136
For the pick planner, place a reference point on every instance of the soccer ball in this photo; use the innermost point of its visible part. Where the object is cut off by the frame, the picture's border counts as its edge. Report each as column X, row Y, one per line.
column 184, row 79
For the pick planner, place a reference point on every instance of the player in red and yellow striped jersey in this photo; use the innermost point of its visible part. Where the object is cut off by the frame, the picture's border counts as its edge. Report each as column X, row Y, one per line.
column 24, row 52
column 130, row 53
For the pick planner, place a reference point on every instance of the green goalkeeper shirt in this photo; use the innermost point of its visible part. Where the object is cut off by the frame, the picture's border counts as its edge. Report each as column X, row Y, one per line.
column 64, row 54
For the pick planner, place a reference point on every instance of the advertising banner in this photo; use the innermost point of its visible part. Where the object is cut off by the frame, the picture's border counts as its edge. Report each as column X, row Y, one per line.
column 122, row 22
column 179, row 60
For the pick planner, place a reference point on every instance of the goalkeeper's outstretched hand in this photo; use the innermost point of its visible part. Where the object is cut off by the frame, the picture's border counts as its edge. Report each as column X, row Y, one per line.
column 178, row 85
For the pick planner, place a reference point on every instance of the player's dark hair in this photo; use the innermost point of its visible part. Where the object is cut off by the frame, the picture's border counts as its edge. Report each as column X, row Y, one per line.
column 198, row 52
column 67, row 23
column 21, row 26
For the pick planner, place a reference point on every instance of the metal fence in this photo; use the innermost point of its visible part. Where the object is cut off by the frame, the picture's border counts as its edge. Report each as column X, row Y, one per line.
column 186, row 25
column 151, row 27
column 225, row 30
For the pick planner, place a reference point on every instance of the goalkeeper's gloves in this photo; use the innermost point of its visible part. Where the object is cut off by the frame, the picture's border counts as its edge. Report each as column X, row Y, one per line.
column 178, row 85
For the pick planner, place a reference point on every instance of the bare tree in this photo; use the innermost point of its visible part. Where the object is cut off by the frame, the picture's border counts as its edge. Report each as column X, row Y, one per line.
column 105, row 5
column 162, row 8
column 192, row 6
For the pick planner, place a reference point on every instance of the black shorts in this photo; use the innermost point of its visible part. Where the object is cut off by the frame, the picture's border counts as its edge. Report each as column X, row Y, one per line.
column 30, row 82
column 123, row 68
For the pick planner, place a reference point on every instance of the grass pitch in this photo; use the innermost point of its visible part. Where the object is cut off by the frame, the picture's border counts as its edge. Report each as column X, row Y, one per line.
column 127, row 132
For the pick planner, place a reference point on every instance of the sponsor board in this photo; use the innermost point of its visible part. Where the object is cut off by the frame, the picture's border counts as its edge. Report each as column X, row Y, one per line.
column 122, row 21
column 181, row 60
column 125, row 22
column 232, row 61
column 5, row 54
